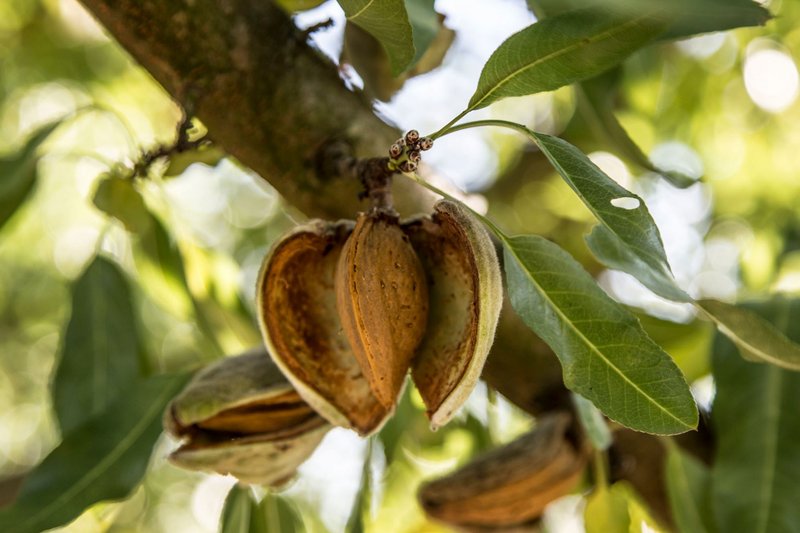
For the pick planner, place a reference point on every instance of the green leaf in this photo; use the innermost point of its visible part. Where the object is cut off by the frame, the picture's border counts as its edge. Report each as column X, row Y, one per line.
column 757, row 460
column 100, row 353
column 561, row 50
column 628, row 239
column 424, row 25
column 689, row 491
column 606, row 511
column 118, row 198
column 18, row 172
column 616, row 509
column 387, row 21
column 592, row 422
column 276, row 514
column 757, row 339
column 237, row 510
column 605, row 354
column 103, row 459
column 686, row 17
column 596, row 103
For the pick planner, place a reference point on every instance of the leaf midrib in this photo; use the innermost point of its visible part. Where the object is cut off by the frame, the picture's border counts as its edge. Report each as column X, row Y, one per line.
column 360, row 11
column 90, row 476
column 586, row 341
column 583, row 42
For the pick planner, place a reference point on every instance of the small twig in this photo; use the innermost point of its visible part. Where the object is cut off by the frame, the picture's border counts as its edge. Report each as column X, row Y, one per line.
column 319, row 26
column 183, row 143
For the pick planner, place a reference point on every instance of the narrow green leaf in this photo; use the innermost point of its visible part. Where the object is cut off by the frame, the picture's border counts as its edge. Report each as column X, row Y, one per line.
column 689, row 491
column 593, row 423
column 424, row 26
column 276, row 514
column 628, row 239
column 18, row 172
column 100, row 353
column 103, row 459
column 237, row 510
column 561, row 50
column 596, row 103
column 757, row 460
column 687, row 17
column 757, row 339
column 387, row 21
column 605, row 354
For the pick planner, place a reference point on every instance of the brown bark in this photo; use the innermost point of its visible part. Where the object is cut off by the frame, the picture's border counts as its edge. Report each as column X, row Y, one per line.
column 280, row 108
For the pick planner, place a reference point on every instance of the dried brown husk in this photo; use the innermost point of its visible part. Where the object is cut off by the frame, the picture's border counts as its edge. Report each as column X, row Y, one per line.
column 512, row 484
column 466, row 295
column 299, row 321
column 382, row 300
column 241, row 416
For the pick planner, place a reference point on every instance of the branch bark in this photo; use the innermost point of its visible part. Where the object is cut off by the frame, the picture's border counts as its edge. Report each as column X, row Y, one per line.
column 281, row 109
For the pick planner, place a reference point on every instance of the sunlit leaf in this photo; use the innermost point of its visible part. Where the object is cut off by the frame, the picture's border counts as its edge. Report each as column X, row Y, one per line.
column 237, row 510
column 689, row 492
column 628, row 238
column 561, row 50
column 592, row 422
column 387, row 21
column 102, row 459
column 18, row 172
column 757, row 430
column 606, row 511
column 605, row 354
column 299, row 5
column 757, row 339
column 617, row 509
column 100, row 353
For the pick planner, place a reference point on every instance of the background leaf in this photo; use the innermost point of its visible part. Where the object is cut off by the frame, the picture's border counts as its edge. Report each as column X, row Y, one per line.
column 687, row 17
column 103, row 459
column 592, row 422
column 18, row 172
column 100, row 353
column 757, row 339
column 276, row 514
column 605, row 354
column 238, row 510
column 561, row 50
column 616, row 509
column 387, row 21
column 424, row 25
column 628, row 239
column 689, row 492
column 757, row 460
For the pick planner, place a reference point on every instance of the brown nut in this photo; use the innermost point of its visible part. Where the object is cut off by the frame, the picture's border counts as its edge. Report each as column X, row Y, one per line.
column 241, row 416
column 382, row 299
column 466, row 294
column 509, row 485
column 300, row 324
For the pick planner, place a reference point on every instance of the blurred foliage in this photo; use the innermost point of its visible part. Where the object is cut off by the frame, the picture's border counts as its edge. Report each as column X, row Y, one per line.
column 199, row 236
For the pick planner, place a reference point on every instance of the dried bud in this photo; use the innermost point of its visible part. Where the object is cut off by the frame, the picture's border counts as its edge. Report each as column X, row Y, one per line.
column 509, row 485
column 408, row 166
column 302, row 330
column 412, row 137
column 382, row 298
column 240, row 416
column 426, row 143
column 395, row 151
column 414, row 156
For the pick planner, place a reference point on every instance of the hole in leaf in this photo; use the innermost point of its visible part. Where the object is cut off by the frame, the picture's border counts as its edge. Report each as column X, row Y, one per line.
column 626, row 203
